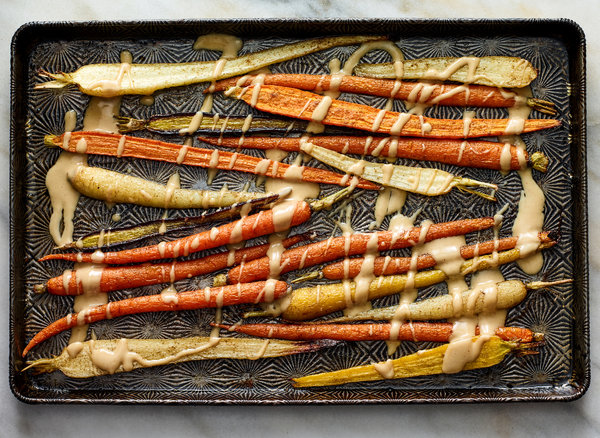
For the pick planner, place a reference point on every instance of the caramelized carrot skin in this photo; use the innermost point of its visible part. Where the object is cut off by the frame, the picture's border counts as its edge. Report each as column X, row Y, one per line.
column 414, row 331
column 190, row 300
column 474, row 153
column 399, row 265
column 452, row 95
column 126, row 277
column 101, row 143
column 248, row 227
column 339, row 247
column 300, row 104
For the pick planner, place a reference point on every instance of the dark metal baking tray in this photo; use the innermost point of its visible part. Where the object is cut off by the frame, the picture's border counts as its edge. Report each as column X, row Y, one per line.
column 560, row 372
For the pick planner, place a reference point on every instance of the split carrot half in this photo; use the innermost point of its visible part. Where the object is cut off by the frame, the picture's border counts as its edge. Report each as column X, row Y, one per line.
column 411, row 331
column 350, row 268
column 190, row 300
column 441, row 94
column 102, row 143
column 304, row 105
column 473, row 153
column 338, row 247
column 249, row 227
column 421, row 363
column 126, row 277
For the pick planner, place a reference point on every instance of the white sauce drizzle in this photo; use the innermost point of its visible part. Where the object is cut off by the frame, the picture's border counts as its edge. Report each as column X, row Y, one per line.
column 111, row 87
column 464, row 346
column 87, row 276
column 530, row 215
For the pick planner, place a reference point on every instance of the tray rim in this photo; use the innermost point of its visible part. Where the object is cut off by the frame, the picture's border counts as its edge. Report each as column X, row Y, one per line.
column 578, row 386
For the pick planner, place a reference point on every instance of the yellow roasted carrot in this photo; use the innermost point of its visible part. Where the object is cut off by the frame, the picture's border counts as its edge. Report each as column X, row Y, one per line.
column 423, row 363
column 152, row 352
column 312, row 302
column 110, row 186
column 108, row 80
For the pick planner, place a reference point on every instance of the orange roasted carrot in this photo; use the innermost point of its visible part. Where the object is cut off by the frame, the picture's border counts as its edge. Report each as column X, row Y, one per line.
column 125, row 277
column 442, row 94
column 304, row 105
column 412, row 331
column 101, row 143
column 249, row 227
column 473, row 153
column 350, row 268
column 197, row 299
column 338, row 247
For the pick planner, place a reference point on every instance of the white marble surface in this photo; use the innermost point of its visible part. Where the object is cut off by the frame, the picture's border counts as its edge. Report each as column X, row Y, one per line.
column 580, row 418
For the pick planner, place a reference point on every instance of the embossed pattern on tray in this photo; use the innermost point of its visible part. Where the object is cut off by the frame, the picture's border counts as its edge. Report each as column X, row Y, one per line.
column 267, row 380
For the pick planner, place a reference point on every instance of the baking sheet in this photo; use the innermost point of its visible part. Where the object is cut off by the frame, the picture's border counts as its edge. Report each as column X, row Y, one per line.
column 560, row 371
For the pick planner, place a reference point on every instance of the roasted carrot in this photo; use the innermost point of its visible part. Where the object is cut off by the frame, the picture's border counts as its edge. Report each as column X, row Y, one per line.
column 120, row 236
column 115, row 187
column 473, row 153
column 350, row 268
column 263, row 291
column 304, row 105
column 102, row 143
column 508, row 295
column 421, row 363
column 338, row 247
column 126, row 277
column 153, row 352
column 422, row 180
column 494, row 71
column 417, row 331
column 311, row 302
column 107, row 80
column 214, row 124
column 249, row 227
column 441, row 94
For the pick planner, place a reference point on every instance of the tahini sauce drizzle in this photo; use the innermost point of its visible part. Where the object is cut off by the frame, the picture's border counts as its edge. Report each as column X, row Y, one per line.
column 229, row 46
column 464, row 346
column 530, row 215
column 282, row 215
column 111, row 87
column 99, row 116
column 88, row 276
column 389, row 200
column 121, row 356
column 173, row 184
column 400, row 225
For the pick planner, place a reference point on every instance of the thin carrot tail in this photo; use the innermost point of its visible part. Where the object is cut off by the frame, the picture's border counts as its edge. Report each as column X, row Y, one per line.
column 328, row 201
column 222, row 326
column 463, row 185
column 542, row 106
column 527, row 348
column 129, row 124
column 314, row 275
column 46, row 365
column 534, row 285
column 256, row 314
column 61, row 80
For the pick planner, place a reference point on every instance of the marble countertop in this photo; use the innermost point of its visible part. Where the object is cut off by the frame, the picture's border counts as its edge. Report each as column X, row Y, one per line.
column 579, row 418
